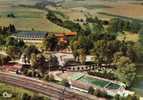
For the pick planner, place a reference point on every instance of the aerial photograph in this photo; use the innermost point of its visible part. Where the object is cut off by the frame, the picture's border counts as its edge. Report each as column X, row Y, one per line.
column 71, row 49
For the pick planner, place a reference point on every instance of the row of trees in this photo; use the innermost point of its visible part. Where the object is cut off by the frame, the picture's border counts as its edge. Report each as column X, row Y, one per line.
column 75, row 27
column 4, row 59
column 50, row 42
column 119, row 25
column 7, row 29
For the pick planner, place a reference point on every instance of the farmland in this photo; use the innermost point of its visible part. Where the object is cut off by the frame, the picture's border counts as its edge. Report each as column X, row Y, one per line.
column 32, row 18
column 93, row 7
column 129, row 37
column 26, row 18
column 128, row 10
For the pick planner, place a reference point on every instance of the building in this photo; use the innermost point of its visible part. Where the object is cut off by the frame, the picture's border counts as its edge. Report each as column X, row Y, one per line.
column 30, row 36
column 33, row 37
column 64, row 58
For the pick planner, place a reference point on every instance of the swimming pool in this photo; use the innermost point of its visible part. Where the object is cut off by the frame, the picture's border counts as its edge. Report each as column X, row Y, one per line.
column 97, row 82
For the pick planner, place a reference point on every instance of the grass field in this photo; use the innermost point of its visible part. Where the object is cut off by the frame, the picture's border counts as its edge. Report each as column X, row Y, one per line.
column 129, row 37
column 16, row 92
column 128, row 10
column 121, row 7
column 32, row 18
column 26, row 18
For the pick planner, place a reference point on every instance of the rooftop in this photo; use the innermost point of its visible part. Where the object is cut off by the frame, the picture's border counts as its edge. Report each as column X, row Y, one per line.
column 30, row 34
column 34, row 34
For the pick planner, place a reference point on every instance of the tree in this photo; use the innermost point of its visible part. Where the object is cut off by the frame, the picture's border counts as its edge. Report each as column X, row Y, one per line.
column 29, row 50
column 126, row 70
column 135, row 26
column 53, row 61
column 66, row 83
column 102, row 53
column 75, row 46
column 85, row 43
column 12, row 41
column 41, row 63
column 33, row 61
column 82, row 56
column 12, row 28
column 116, row 25
column 25, row 96
column 11, row 15
column 4, row 59
column 35, row 97
column 13, row 52
column 141, row 36
column 91, row 90
column 50, row 42
column 53, row 18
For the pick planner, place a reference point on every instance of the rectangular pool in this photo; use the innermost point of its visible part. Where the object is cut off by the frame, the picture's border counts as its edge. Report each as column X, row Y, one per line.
column 97, row 82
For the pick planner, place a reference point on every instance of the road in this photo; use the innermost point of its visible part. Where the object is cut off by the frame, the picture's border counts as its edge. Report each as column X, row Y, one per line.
column 52, row 90
column 3, row 53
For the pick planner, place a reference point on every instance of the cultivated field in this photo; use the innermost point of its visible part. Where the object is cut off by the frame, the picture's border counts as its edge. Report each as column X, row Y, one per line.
column 128, row 10
column 26, row 18
column 82, row 8
column 32, row 18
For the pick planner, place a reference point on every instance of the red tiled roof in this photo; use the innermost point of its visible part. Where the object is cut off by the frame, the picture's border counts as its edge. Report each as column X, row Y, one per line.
column 71, row 33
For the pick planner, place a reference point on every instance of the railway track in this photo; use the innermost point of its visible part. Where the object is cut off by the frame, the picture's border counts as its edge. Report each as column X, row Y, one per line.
column 56, row 92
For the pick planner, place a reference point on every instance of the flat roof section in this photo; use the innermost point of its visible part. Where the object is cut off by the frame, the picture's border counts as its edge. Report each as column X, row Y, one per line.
column 30, row 34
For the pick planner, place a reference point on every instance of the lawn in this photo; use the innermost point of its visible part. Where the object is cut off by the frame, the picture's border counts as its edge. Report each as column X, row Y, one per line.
column 16, row 92
column 129, row 37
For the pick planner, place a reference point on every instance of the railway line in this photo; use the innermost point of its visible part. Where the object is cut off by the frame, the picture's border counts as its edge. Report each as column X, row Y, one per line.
column 54, row 91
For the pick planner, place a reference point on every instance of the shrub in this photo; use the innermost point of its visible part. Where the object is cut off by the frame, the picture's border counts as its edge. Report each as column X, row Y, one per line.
column 101, row 93
column 91, row 90
column 104, row 73
column 25, row 96
column 51, row 78
column 129, row 97
column 30, row 73
column 46, row 77
column 35, row 97
column 65, row 83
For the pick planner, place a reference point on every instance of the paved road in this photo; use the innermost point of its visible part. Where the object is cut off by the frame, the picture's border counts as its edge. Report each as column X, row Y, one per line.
column 50, row 89
column 3, row 53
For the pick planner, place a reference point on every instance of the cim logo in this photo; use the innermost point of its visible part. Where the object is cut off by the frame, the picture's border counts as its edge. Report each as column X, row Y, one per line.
column 7, row 95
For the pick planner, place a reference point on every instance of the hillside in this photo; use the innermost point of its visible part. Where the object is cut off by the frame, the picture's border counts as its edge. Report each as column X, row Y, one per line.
column 26, row 18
